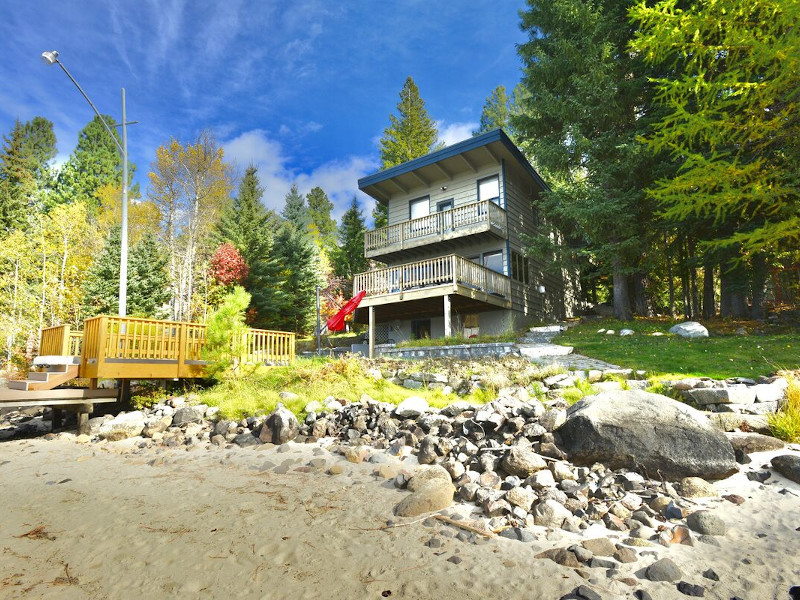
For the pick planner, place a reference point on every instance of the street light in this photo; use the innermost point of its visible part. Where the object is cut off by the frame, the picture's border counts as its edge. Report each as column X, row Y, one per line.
column 51, row 58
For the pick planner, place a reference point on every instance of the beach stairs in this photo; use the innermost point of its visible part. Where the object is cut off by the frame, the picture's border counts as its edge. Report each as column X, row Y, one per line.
column 57, row 371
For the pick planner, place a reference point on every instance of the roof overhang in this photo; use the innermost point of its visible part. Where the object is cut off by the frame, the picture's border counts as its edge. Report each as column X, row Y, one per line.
column 444, row 165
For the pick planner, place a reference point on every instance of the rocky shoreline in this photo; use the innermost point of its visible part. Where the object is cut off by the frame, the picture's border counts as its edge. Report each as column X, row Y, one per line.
column 512, row 466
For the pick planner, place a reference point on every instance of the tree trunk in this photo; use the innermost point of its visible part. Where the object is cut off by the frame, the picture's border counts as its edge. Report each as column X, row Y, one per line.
column 693, row 279
column 684, row 270
column 733, row 284
column 641, row 306
column 622, row 303
column 670, row 279
column 759, row 282
column 709, row 304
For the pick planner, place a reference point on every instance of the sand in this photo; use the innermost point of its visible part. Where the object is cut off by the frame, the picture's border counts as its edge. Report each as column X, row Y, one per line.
column 112, row 521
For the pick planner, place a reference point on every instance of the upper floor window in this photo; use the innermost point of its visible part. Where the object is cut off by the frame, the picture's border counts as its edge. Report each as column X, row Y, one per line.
column 489, row 189
column 419, row 208
column 520, row 268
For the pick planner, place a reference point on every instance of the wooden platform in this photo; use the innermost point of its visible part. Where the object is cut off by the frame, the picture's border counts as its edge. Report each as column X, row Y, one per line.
column 81, row 401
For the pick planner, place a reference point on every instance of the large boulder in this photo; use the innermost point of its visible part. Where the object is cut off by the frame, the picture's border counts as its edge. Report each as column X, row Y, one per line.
column 123, row 426
column 280, row 427
column 787, row 465
column 634, row 429
column 689, row 329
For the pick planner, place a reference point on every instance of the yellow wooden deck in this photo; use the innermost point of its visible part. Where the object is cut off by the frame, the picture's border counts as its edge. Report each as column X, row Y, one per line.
column 132, row 348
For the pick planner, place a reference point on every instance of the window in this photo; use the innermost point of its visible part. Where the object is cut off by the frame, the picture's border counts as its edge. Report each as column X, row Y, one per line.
column 520, row 268
column 493, row 261
column 419, row 208
column 444, row 205
column 421, row 329
column 489, row 189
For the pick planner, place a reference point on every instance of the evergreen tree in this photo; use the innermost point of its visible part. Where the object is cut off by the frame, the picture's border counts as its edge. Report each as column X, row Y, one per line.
column 410, row 135
column 587, row 99
column 295, row 210
column 17, row 180
column 297, row 257
column 40, row 144
column 496, row 111
column 322, row 225
column 94, row 163
column 148, row 281
column 349, row 257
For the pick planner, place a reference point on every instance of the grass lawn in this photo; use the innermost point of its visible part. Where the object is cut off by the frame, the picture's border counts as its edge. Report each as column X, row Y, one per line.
column 458, row 340
column 721, row 355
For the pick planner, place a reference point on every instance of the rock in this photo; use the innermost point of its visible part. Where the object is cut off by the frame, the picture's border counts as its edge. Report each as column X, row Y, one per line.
column 355, row 454
column 518, row 534
column 156, row 425
column 696, row 487
column 599, row 546
column 314, row 406
column 288, row 396
column 523, row 462
column 434, row 495
column 689, row 329
column 625, row 555
column 734, row 499
column 635, row 429
column 625, row 332
column 561, row 556
column 689, row 589
column 280, row 427
column 541, row 479
column 549, row 513
column 553, row 419
column 246, row 439
column 336, row 470
column 425, row 475
column 522, row 497
column 788, row 466
column 706, row 523
column 123, row 426
column 771, row 392
column 753, row 442
column 189, row 414
column 733, row 394
column 663, row 569
column 411, row 407
column 711, row 574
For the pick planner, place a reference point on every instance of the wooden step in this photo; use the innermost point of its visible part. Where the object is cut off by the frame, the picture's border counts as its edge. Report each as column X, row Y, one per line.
column 45, row 380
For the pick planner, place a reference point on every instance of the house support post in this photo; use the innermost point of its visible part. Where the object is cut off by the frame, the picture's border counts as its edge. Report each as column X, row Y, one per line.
column 372, row 332
column 448, row 321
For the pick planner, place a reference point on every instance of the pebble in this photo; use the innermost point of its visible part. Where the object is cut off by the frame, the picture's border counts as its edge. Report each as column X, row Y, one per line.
column 706, row 523
column 336, row 470
column 689, row 589
column 663, row 569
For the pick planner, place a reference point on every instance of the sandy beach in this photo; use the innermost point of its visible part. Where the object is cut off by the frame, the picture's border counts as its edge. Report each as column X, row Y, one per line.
column 111, row 520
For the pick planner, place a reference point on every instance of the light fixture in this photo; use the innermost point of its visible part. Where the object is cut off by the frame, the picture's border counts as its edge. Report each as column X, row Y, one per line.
column 444, row 187
column 541, row 289
column 50, row 57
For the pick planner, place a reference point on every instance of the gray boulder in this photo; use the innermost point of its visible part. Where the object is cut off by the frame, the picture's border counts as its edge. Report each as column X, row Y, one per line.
column 280, row 427
column 689, row 329
column 787, row 465
column 634, row 429
column 706, row 523
column 188, row 414
column 434, row 495
column 411, row 407
column 156, row 425
column 523, row 462
column 123, row 426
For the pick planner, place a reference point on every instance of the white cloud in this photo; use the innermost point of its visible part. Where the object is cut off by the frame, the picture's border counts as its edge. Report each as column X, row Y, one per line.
column 452, row 133
column 339, row 178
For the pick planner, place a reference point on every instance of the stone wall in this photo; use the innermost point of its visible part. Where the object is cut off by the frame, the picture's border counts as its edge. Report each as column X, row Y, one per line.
column 461, row 351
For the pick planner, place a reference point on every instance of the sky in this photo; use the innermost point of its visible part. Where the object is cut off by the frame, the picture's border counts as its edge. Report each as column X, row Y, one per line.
column 303, row 89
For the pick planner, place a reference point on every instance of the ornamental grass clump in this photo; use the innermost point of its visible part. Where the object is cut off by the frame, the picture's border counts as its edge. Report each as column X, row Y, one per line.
column 785, row 424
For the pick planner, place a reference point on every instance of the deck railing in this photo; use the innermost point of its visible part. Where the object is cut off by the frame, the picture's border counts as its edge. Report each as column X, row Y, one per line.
column 148, row 348
column 437, row 224
column 444, row 270
column 60, row 340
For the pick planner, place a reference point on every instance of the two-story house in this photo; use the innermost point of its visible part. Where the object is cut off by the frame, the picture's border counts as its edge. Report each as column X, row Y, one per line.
column 455, row 246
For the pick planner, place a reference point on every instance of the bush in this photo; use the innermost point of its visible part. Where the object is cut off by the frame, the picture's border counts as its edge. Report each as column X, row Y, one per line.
column 225, row 332
column 785, row 424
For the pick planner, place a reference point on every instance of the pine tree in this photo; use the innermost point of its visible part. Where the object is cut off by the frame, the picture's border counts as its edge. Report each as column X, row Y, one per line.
column 496, row 112
column 93, row 164
column 410, row 135
column 349, row 257
column 295, row 210
column 297, row 257
column 322, row 225
column 17, row 180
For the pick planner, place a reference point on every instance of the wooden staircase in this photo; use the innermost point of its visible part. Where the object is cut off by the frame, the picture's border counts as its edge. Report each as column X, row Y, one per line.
column 53, row 376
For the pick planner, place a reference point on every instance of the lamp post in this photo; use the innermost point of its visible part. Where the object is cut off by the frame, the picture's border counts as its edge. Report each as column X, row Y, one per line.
column 50, row 58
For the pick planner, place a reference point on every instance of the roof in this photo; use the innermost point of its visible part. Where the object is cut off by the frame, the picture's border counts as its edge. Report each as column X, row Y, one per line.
column 496, row 138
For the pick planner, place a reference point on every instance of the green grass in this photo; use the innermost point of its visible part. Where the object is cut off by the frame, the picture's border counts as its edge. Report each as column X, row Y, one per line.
column 456, row 340
column 581, row 389
column 719, row 356
column 256, row 391
column 785, row 424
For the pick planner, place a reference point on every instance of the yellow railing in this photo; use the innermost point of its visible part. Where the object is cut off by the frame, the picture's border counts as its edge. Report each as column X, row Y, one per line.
column 437, row 224
column 127, row 347
column 60, row 340
column 452, row 269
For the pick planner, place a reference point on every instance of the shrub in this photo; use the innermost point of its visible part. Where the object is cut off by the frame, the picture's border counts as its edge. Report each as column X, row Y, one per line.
column 225, row 331
column 785, row 424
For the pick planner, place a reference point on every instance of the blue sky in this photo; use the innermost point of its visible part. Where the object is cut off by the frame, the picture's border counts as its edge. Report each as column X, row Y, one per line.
column 302, row 89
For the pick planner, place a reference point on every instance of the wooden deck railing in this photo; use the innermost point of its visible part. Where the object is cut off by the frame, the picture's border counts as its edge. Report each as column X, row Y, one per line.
column 460, row 217
column 127, row 347
column 451, row 269
column 60, row 340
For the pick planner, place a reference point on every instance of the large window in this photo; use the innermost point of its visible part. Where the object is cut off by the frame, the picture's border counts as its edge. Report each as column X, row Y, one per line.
column 494, row 261
column 489, row 189
column 520, row 268
column 419, row 208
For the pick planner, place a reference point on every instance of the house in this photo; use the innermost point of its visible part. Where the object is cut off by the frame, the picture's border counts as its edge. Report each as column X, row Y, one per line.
column 455, row 246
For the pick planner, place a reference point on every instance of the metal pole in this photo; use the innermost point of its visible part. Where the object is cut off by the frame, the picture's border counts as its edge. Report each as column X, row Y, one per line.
column 319, row 327
column 123, row 254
